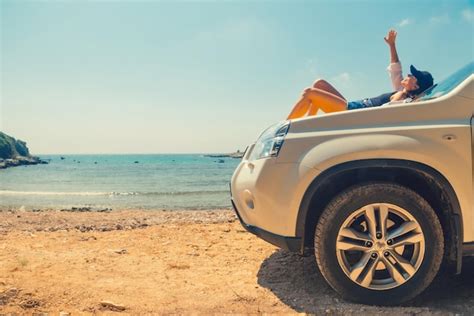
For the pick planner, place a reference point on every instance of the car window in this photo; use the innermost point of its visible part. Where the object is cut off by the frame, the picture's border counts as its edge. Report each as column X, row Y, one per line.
column 448, row 84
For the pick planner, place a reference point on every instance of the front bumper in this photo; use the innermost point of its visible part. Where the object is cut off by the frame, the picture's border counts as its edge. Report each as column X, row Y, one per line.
column 288, row 243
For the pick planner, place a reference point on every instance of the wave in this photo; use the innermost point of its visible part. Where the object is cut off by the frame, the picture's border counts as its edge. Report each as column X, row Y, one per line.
column 201, row 192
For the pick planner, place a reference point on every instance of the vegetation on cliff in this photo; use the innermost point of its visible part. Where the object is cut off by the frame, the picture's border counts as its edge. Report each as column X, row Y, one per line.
column 13, row 152
column 12, row 148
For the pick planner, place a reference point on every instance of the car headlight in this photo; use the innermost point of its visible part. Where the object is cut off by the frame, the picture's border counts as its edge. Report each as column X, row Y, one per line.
column 270, row 141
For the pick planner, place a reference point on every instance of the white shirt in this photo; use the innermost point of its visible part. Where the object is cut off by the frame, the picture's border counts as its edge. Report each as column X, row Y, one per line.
column 395, row 73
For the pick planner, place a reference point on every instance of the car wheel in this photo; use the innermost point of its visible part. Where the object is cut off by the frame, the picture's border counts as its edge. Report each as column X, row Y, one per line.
column 379, row 243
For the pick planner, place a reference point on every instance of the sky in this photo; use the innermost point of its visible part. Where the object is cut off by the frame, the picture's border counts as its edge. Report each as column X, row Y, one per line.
column 201, row 76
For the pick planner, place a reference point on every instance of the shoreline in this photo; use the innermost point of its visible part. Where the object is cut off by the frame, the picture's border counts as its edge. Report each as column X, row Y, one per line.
column 51, row 220
column 95, row 209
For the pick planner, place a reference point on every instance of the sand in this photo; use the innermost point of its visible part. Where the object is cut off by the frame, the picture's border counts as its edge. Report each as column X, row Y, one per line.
column 174, row 262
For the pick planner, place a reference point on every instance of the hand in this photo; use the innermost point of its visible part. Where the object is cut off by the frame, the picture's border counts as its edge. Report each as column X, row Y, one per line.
column 390, row 38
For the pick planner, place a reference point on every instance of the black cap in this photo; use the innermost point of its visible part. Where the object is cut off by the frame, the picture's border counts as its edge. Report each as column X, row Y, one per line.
column 424, row 79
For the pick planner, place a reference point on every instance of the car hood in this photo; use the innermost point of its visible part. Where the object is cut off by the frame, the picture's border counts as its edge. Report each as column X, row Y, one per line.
column 382, row 116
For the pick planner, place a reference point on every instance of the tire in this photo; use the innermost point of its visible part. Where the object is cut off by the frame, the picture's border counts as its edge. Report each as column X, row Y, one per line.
column 392, row 275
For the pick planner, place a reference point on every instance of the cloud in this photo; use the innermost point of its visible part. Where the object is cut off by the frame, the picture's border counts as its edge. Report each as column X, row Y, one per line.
column 404, row 22
column 342, row 78
column 468, row 15
column 440, row 19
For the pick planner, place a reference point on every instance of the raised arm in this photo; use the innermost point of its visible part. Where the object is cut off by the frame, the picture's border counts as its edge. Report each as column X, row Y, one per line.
column 395, row 67
column 390, row 40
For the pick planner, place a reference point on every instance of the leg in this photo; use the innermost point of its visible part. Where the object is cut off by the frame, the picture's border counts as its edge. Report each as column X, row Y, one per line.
column 326, row 86
column 300, row 108
column 313, row 110
column 314, row 99
column 325, row 101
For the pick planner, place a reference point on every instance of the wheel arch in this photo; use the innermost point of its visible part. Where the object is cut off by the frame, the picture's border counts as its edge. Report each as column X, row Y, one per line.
column 423, row 179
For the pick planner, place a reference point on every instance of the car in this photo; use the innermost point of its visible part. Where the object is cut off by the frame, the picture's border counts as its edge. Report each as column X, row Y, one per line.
column 383, row 196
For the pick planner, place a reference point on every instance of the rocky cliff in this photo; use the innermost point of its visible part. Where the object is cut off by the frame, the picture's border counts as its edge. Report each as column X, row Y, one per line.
column 14, row 152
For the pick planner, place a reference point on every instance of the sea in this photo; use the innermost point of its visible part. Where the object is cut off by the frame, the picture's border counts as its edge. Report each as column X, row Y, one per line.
column 147, row 182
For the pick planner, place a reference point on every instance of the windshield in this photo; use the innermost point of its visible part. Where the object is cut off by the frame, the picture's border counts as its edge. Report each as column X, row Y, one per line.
column 448, row 84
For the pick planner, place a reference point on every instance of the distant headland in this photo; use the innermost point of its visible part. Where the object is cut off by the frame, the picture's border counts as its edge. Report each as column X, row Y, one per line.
column 237, row 154
column 14, row 153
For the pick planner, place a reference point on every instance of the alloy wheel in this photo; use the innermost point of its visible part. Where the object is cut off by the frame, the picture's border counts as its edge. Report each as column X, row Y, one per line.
column 380, row 246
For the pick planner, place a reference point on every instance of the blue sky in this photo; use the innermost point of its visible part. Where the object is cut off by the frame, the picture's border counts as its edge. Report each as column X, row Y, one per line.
column 202, row 76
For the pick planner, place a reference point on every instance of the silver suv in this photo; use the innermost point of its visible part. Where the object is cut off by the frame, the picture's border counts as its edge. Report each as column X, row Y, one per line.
column 382, row 195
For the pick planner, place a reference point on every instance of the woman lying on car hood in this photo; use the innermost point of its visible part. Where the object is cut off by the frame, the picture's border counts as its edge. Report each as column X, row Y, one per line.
column 324, row 96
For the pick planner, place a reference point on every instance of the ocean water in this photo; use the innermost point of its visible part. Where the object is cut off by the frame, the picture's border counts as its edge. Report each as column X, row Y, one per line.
column 158, row 181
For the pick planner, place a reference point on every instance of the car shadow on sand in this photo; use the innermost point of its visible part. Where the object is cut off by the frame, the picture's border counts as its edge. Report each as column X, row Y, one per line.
column 297, row 282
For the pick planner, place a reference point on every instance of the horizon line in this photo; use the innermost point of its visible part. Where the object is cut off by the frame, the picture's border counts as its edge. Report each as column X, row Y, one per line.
column 134, row 153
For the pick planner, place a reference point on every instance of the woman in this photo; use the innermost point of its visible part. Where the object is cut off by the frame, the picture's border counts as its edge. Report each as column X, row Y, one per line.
column 325, row 97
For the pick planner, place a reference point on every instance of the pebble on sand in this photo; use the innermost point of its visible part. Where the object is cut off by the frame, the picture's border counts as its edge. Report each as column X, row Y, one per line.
column 112, row 306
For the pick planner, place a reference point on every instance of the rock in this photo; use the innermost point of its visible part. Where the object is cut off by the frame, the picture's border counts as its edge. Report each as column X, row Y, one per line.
column 7, row 295
column 83, row 228
column 62, row 158
column 15, row 153
column 121, row 251
column 81, row 209
column 30, row 303
column 112, row 306
column 64, row 314
column 21, row 161
column 12, row 162
column 88, row 238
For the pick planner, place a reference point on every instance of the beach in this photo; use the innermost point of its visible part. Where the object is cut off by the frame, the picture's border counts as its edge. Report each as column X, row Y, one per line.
column 174, row 262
